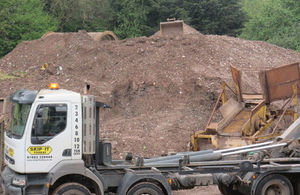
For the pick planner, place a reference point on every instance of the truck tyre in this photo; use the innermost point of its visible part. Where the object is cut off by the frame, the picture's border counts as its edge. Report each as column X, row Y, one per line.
column 71, row 189
column 228, row 190
column 274, row 184
column 145, row 188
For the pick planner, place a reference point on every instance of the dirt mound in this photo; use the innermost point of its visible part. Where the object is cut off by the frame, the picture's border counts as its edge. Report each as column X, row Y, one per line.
column 161, row 88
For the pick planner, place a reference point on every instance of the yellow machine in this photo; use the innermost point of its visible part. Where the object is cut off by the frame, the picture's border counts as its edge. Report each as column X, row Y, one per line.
column 246, row 117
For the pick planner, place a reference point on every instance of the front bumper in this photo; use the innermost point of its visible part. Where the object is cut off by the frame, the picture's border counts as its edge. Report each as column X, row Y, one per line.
column 6, row 183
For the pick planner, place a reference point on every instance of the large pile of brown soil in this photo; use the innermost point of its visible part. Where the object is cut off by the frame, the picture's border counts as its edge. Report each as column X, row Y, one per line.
column 161, row 88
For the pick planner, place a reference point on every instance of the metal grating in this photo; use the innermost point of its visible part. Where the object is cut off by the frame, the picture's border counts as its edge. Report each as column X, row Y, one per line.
column 89, row 124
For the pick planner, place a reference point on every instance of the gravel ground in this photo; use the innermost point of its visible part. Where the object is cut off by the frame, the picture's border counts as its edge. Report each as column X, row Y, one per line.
column 204, row 190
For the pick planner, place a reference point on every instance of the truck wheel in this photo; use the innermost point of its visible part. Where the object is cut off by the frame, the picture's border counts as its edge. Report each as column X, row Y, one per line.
column 71, row 189
column 145, row 188
column 228, row 190
column 274, row 184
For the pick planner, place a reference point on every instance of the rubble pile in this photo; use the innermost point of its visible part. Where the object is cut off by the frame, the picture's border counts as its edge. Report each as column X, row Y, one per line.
column 161, row 89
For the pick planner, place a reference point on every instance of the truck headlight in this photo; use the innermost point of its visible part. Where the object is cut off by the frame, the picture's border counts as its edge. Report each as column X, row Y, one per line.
column 18, row 181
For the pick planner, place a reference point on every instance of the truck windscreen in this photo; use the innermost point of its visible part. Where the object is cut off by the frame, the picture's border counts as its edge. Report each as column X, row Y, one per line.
column 19, row 118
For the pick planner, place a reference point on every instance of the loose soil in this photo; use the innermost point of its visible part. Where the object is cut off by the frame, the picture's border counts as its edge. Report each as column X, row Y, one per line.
column 203, row 190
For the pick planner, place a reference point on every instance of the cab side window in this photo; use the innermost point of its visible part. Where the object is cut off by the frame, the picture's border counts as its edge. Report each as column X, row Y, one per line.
column 49, row 120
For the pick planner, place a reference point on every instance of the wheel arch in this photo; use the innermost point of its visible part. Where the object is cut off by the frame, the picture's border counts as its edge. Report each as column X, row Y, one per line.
column 131, row 179
column 75, row 171
column 77, row 178
column 266, row 174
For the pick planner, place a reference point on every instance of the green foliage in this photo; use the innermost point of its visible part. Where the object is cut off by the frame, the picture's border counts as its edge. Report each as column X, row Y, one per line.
column 274, row 21
column 14, row 75
column 129, row 17
column 22, row 20
column 142, row 17
column 4, row 76
column 74, row 15
column 253, row 7
column 216, row 16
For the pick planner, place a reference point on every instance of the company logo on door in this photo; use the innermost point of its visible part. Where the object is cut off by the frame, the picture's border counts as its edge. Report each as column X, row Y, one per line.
column 39, row 150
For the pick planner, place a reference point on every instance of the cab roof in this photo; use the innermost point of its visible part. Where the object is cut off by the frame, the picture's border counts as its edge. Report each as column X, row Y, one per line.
column 58, row 95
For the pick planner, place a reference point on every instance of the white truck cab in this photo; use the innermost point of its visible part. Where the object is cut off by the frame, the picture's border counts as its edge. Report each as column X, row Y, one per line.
column 52, row 147
column 44, row 130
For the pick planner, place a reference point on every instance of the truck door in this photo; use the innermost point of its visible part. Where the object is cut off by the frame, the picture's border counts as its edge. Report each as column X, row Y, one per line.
column 49, row 141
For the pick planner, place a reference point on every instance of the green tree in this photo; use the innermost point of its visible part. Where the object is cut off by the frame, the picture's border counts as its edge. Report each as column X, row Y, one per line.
column 129, row 17
column 142, row 17
column 22, row 20
column 74, row 15
column 216, row 16
column 132, row 18
column 274, row 21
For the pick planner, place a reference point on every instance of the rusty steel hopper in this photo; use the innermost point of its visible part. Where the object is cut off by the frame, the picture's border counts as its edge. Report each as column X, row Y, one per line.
column 277, row 83
column 246, row 117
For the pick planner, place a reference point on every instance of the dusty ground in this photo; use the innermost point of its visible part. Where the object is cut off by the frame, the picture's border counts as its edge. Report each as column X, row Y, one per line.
column 162, row 89
column 205, row 190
